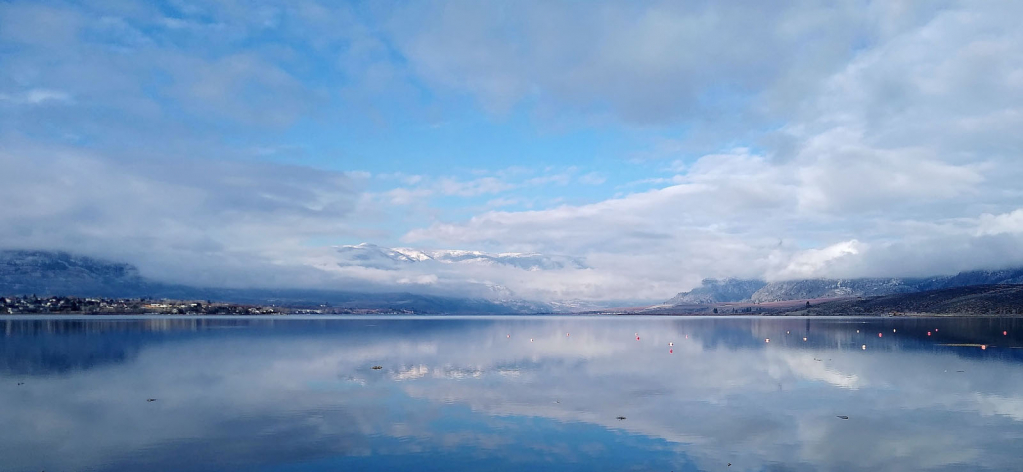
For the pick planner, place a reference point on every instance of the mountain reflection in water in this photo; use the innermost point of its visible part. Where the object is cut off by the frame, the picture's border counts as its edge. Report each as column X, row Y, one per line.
column 545, row 393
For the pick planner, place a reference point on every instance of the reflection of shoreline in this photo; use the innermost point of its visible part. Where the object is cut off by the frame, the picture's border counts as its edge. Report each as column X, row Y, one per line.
column 67, row 305
column 42, row 345
column 290, row 390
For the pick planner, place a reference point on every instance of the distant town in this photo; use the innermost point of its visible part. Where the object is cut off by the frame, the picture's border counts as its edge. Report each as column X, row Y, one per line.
column 31, row 304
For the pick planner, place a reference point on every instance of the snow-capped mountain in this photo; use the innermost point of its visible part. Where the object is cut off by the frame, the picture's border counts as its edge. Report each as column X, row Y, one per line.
column 377, row 257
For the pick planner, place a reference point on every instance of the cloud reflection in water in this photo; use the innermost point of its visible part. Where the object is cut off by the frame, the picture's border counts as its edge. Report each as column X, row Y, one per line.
column 468, row 393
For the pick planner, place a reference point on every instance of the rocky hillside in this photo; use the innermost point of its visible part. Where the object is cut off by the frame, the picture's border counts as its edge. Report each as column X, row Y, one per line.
column 719, row 291
column 738, row 290
column 829, row 288
column 60, row 273
column 971, row 300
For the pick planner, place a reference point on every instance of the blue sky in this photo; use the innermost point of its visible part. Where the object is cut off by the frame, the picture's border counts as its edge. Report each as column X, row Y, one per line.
column 660, row 142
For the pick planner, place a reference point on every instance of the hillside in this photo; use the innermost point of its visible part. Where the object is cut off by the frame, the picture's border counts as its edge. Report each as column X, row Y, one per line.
column 719, row 291
column 971, row 300
column 758, row 291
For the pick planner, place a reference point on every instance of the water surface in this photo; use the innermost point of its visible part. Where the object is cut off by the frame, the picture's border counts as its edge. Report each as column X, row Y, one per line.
column 537, row 393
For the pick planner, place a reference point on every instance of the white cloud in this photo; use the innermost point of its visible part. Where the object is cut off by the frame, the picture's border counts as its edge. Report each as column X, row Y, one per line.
column 1007, row 223
column 816, row 262
column 36, row 97
column 592, row 178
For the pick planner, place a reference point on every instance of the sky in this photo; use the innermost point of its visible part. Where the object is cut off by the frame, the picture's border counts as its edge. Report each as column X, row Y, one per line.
column 654, row 144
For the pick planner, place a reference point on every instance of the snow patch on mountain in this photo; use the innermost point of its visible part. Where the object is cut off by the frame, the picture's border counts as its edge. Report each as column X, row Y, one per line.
column 377, row 257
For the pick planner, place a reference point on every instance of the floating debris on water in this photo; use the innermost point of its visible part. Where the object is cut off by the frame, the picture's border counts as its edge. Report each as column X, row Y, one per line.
column 843, row 417
column 150, row 399
column 378, row 367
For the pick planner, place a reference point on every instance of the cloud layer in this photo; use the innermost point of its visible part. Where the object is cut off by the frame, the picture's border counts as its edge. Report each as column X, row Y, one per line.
column 216, row 144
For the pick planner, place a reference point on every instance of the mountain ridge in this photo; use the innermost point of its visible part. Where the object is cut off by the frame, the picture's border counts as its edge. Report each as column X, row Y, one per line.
column 387, row 258
column 759, row 291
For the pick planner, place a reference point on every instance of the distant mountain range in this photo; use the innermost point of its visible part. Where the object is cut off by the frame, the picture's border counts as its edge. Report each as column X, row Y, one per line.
column 759, row 291
column 60, row 273
column 377, row 257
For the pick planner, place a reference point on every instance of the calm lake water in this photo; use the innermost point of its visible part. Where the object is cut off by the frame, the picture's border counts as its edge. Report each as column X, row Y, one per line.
column 514, row 393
